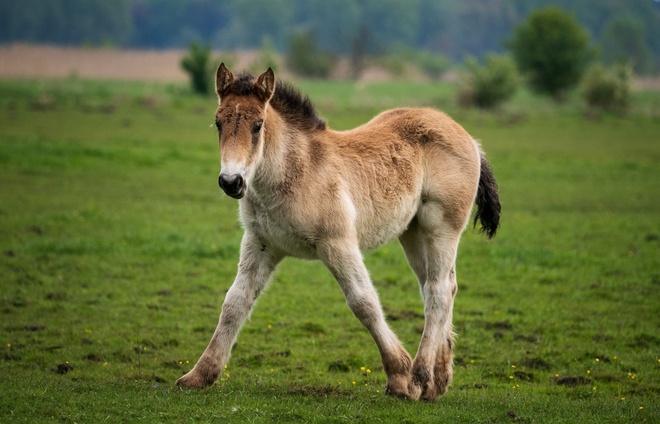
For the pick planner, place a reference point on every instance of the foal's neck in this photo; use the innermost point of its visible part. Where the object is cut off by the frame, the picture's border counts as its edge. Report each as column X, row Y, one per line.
column 284, row 151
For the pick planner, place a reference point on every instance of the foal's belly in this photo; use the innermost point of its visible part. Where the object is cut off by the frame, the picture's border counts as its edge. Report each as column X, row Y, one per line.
column 300, row 238
column 376, row 230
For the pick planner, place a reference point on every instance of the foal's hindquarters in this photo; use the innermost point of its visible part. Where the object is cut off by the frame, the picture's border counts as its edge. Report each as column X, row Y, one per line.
column 445, row 179
column 430, row 244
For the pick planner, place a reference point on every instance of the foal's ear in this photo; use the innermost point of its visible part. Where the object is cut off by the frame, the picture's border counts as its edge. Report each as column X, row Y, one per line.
column 265, row 85
column 223, row 77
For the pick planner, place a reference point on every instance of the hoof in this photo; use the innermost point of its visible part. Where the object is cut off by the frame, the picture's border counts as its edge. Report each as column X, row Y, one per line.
column 414, row 391
column 194, row 381
column 430, row 394
column 435, row 389
column 398, row 386
column 397, row 393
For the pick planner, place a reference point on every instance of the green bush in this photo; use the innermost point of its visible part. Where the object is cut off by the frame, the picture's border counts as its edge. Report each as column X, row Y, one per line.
column 551, row 48
column 199, row 68
column 489, row 85
column 433, row 64
column 607, row 89
column 306, row 59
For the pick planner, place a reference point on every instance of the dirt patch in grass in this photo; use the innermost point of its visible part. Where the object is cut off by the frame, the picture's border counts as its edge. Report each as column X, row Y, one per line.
column 404, row 315
column 514, row 417
column 536, row 363
column 316, row 391
column 573, row 381
column 63, row 368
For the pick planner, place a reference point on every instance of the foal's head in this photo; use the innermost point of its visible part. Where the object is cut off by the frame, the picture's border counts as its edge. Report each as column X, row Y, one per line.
column 240, row 119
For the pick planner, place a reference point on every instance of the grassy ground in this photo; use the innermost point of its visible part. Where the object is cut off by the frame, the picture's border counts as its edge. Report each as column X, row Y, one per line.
column 116, row 249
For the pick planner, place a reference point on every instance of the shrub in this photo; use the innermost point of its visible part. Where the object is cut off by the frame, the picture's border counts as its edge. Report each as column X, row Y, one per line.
column 489, row 85
column 433, row 64
column 552, row 49
column 607, row 89
column 199, row 68
column 306, row 59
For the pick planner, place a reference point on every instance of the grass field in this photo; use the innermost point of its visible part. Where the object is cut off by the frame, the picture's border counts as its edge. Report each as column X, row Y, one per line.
column 116, row 249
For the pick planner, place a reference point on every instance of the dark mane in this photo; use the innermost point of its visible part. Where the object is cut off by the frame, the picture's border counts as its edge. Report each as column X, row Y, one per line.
column 296, row 107
column 293, row 106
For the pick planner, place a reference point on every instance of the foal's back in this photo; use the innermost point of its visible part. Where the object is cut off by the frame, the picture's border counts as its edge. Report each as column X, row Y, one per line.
column 402, row 160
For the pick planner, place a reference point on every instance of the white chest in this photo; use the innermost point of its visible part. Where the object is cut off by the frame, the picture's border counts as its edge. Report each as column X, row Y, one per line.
column 275, row 224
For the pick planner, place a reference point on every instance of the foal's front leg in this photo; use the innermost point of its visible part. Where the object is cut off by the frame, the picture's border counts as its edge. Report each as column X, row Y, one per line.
column 255, row 267
column 344, row 259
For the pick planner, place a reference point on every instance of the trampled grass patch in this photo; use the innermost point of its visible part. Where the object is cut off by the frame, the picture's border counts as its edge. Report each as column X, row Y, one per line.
column 117, row 247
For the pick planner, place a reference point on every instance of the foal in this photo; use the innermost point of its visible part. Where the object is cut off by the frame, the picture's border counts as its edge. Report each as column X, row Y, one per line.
column 310, row 192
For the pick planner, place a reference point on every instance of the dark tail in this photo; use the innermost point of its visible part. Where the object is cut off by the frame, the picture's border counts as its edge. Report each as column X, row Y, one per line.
column 488, row 201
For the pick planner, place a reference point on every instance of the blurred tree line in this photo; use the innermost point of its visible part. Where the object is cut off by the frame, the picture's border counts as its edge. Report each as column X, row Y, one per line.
column 624, row 30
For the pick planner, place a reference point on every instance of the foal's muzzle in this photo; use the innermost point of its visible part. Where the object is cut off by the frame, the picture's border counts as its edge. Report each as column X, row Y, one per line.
column 232, row 185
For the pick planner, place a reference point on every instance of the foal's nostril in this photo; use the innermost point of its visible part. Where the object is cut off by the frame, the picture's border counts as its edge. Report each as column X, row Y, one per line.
column 237, row 185
column 231, row 184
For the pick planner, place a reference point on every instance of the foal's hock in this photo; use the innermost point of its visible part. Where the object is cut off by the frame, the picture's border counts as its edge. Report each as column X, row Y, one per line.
column 308, row 191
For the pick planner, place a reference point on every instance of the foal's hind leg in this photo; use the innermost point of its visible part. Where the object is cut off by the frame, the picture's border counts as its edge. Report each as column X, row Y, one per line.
column 431, row 253
column 255, row 267
column 344, row 260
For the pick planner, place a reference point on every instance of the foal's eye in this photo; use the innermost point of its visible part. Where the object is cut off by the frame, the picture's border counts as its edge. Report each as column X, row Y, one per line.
column 257, row 127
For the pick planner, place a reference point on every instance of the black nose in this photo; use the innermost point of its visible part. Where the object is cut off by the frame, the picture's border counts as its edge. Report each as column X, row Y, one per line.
column 232, row 185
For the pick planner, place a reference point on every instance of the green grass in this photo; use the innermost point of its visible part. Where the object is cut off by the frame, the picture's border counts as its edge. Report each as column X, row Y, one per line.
column 116, row 249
